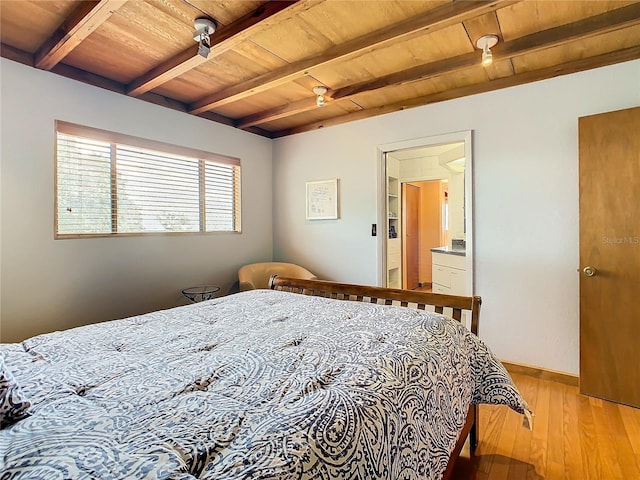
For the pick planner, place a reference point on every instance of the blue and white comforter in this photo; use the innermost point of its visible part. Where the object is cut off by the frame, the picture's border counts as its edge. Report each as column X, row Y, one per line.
column 258, row 385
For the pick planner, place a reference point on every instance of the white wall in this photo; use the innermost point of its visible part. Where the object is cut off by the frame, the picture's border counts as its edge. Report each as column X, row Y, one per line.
column 525, row 192
column 52, row 284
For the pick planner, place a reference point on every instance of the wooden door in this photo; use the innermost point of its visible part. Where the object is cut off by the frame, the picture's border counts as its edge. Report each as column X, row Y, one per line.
column 430, row 225
column 609, row 174
column 411, row 241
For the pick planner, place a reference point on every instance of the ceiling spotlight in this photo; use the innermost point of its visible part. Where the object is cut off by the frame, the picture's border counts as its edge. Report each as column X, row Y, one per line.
column 485, row 43
column 320, row 92
column 204, row 29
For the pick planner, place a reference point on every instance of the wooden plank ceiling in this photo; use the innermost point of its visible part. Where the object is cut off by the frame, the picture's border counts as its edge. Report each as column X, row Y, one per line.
column 373, row 56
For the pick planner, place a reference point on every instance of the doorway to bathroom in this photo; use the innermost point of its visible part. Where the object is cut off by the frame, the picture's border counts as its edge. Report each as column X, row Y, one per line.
column 425, row 193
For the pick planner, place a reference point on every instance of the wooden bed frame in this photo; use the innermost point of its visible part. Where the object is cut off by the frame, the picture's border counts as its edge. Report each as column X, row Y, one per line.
column 447, row 304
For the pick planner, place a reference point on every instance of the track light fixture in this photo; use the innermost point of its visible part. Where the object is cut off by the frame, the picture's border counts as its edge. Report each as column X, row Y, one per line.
column 485, row 43
column 204, row 29
column 320, row 92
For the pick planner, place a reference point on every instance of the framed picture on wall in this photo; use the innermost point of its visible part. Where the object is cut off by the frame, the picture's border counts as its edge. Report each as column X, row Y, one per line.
column 322, row 200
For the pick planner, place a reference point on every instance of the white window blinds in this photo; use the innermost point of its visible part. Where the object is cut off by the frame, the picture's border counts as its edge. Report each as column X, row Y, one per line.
column 109, row 184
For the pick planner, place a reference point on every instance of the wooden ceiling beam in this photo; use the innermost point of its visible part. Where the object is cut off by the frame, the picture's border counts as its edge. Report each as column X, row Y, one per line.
column 430, row 21
column 82, row 22
column 172, row 68
column 617, row 56
column 597, row 25
column 281, row 111
column 17, row 55
column 222, row 40
column 553, row 37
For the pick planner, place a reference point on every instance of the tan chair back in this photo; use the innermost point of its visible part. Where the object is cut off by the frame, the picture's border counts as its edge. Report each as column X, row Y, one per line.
column 256, row 275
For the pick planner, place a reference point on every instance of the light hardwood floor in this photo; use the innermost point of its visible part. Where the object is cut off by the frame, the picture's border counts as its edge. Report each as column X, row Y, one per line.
column 573, row 437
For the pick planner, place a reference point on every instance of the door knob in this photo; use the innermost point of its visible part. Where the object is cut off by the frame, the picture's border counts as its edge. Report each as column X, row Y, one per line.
column 589, row 271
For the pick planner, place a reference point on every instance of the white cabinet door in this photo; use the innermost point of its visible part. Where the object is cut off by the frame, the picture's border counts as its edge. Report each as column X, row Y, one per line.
column 448, row 260
column 440, row 289
column 441, row 276
column 448, row 274
column 458, row 281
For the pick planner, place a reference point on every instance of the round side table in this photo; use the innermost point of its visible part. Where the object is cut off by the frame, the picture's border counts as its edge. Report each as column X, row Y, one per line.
column 200, row 293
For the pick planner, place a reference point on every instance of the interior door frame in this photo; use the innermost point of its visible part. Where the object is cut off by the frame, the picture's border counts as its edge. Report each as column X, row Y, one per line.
column 465, row 137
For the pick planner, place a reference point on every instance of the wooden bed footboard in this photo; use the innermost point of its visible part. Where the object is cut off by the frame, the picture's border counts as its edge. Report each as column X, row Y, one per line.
column 451, row 305
column 383, row 296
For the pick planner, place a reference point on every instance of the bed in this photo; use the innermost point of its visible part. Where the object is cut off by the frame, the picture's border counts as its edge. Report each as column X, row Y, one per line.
column 307, row 379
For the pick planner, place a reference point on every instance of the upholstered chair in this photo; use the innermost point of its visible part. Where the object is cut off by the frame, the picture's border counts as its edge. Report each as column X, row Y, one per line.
column 256, row 275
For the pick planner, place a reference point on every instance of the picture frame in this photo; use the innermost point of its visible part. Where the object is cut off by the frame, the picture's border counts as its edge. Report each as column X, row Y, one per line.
column 322, row 200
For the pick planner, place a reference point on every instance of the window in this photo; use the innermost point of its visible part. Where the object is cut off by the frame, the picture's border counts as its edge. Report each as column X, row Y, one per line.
column 113, row 184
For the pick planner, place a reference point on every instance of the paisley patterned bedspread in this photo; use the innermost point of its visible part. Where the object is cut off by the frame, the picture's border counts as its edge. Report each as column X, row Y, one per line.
column 257, row 385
